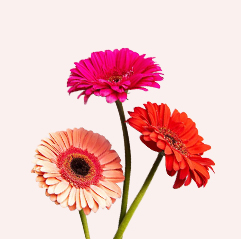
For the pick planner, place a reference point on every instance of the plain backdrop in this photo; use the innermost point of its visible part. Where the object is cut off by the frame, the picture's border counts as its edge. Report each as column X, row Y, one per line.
column 197, row 45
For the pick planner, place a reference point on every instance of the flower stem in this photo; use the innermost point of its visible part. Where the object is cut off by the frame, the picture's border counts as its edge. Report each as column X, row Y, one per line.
column 84, row 223
column 127, row 161
column 138, row 198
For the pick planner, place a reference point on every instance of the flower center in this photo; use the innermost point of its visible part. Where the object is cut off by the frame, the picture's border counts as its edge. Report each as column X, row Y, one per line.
column 79, row 166
column 173, row 140
column 115, row 79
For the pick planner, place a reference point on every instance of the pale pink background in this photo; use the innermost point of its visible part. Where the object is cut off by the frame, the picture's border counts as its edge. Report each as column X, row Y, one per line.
column 197, row 44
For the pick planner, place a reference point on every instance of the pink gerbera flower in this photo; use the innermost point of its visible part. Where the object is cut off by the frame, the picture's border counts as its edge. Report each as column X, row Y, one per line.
column 79, row 170
column 111, row 74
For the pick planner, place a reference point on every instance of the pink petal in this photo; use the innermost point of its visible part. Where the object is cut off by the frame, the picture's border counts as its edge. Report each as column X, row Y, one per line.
column 111, row 98
column 122, row 96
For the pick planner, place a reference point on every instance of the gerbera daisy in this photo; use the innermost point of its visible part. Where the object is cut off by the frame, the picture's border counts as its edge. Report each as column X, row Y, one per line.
column 111, row 74
column 177, row 135
column 79, row 170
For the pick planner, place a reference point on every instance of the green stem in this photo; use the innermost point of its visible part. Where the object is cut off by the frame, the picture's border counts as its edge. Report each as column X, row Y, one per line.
column 127, row 162
column 138, row 198
column 84, row 223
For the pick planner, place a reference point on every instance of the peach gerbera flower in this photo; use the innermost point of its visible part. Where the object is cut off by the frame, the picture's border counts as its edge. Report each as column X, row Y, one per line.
column 177, row 135
column 79, row 170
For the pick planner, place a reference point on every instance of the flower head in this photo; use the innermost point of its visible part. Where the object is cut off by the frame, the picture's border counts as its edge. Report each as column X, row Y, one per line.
column 111, row 74
column 79, row 170
column 177, row 135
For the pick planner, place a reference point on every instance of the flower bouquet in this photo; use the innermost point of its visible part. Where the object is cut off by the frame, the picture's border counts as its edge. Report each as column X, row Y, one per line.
column 79, row 169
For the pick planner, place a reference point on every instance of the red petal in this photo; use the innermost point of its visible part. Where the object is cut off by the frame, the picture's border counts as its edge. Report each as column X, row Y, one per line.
column 168, row 150
column 198, row 167
column 171, row 173
column 179, row 182
column 169, row 162
column 154, row 136
column 199, row 148
column 184, row 173
column 175, row 164
column 167, row 114
column 161, row 144
column 137, row 124
column 161, row 115
column 188, row 180
column 150, row 144
column 178, row 155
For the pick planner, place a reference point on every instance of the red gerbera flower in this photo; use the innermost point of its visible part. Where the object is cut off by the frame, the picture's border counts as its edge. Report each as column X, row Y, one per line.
column 112, row 73
column 177, row 135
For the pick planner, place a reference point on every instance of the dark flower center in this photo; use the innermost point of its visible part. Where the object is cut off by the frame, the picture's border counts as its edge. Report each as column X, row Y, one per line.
column 79, row 166
column 173, row 140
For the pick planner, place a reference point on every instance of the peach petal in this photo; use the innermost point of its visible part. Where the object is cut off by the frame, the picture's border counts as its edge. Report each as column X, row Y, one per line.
column 46, row 164
column 62, row 186
column 49, row 169
column 108, row 157
column 96, row 207
column 64, row 195
column 52, row 147
column 117, row 180
column 103, row 148
column 113, row 174
column 51, row 181
column 76, row 136
column 100, row 141
column 110, row 193
column 41, row 157
column 113, row 165
column 89, row 198
column 98, row 199
column 46, row 152
column 82, row 199
column 82, row 136
column 57, row 138
column 43, row 185
column 51, row 188
column 86, row 139
column 112, row 186
column 72, row 197
column 108, row 202
column 53, row 197
column 113, row 200
column 77, row 199
column 98, row 191
column 72, row 208
column 64, row 203
column 65, row 139
column 51, row 175
column 40, row 179
column 70, row 136
column 86, row 210
column 92, row 142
